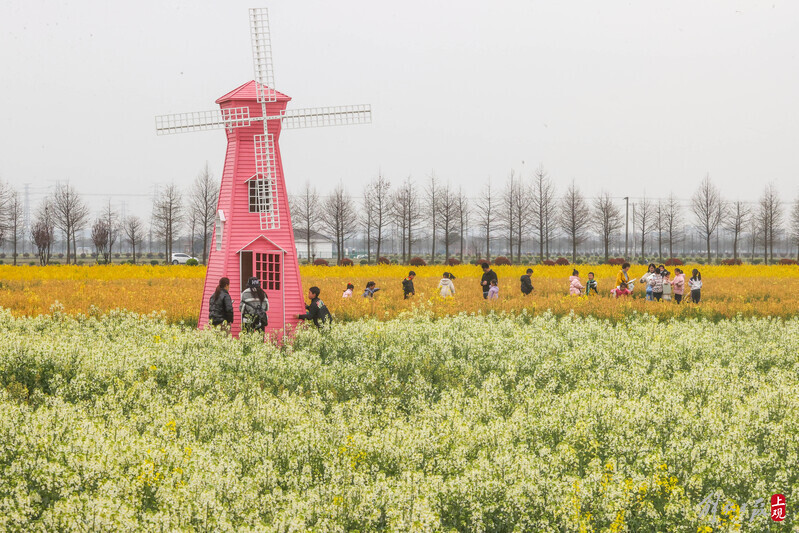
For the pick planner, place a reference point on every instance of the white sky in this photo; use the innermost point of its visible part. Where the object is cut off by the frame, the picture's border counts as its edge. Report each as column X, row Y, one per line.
column 632, row 97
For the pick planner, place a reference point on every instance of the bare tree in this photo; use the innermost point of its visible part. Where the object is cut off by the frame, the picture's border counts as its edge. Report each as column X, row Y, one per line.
column 340, row 218
column 431, row 200
column 381, row 201
column 769, row 214
column 447, row 215
column 672, row 222
column 736, row 220
column 574, row 217
column 5, row 200
column 100, row 238
column 660, row 226
column 203, row 201
column 366, row 217
column 542, row 207
column 406, row 210
column 112, row 224
column 43, row 232
column 168, row 216
column 486, row 209
column 521, row 212
column 507, row 212
column 14, row 222
column 795, row 226
column 306, row 210
column 70, row 215
column 607, row 220
column 463, row 219
column 134, row 233
column 644, row 221
column 708, row 209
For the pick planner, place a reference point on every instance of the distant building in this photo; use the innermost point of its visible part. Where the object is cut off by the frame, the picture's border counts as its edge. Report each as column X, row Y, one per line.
column 321, row 246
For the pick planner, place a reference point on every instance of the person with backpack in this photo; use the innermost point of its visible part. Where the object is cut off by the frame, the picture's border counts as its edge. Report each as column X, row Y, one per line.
column 220, row 306
column 317, row 310
column 446, row 285
column 527, row 283
column 407, row 285
column 253, row 307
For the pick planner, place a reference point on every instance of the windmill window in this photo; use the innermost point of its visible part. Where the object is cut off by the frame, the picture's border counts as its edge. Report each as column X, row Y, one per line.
column 260, row 195
column 267, row 269
column 220, row 229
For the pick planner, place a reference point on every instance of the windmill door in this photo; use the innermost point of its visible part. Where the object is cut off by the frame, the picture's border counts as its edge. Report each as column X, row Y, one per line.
column 265, row 261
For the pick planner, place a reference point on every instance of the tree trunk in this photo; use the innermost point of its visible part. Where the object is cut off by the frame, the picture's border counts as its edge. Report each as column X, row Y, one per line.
column 709, row 260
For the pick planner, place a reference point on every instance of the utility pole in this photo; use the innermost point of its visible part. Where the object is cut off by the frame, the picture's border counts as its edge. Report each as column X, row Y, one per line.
column 626, row 225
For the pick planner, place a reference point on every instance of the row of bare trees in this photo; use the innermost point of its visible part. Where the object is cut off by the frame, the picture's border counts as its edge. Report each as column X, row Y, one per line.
column 65, row 214
column 528, row 210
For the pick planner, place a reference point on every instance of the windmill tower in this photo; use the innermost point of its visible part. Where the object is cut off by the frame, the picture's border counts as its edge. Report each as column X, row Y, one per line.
column 253, row 235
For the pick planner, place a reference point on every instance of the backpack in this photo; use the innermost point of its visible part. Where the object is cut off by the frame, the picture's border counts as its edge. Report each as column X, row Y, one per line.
column 258, row 313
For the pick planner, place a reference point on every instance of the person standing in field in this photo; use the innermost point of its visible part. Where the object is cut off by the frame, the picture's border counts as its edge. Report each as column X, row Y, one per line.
column 696, row 286
column 407, row 285
column 493, row 290
column 348, row 291
column 623, row 276
column 678, row 284
column 656, row 282
column 575, row 287
column 527, row 283
column 317, row 310
column 667, row 288
column 446, row 285
column 488, row 276
column 645, row 279
column 371, row 289
column 253, row 307
column 590, row 285
column 220, row 306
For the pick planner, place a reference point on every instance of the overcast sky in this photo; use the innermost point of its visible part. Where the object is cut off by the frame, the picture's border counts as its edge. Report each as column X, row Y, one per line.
column 631, row 97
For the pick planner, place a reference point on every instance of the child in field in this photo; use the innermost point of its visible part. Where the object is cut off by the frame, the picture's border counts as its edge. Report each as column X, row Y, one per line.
column 656, row 282
column 645, row 279
column 348, row 291
column 446, row 285
column 666, row 285
column 527, row 283
column 678, row 284
column 493, row 290
column 575, row 287
column 621, row 290
column 407, row 285
column 696, row 286
column 590, row 285
column 370, row 290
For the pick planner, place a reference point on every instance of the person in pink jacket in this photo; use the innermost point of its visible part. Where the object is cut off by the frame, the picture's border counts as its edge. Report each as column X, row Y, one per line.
column 575, row 287
column 678, row 284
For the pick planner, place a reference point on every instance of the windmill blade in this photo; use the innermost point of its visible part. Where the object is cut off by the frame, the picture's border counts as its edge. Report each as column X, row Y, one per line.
column 233, row 117
column 266, row 182
column 262, row 55
column 326, row 116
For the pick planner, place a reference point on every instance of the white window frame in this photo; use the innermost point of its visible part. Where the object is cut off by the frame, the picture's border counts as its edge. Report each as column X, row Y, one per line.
column 219, row 232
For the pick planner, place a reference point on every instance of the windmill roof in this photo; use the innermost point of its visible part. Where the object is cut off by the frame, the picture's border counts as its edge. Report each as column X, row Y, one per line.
column 247, row 92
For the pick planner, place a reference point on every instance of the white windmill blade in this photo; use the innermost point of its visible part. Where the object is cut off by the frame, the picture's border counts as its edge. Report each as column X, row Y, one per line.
column 326, row 116
column 265, row 182
column 262, row 55
column 233, row 117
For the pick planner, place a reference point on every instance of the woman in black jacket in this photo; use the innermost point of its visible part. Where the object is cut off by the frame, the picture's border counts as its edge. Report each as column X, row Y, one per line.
column 220, row 309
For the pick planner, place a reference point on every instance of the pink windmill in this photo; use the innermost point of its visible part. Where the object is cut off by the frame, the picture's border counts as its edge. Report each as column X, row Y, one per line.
column 253, row 235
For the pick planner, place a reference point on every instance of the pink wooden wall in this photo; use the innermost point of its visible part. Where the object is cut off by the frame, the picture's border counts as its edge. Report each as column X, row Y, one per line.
column 243, row 227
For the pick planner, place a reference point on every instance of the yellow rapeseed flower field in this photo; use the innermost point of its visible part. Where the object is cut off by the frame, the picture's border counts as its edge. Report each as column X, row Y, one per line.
column 177, row 290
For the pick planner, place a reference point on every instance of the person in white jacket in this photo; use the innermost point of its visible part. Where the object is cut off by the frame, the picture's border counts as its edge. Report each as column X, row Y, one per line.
column 446, row 285
column 696, row 286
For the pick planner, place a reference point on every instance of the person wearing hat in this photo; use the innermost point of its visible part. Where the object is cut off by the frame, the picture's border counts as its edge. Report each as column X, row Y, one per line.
column 527, row 283
column 317, row 310
column 253, row 307
column 446, row 285
column 407, row 285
